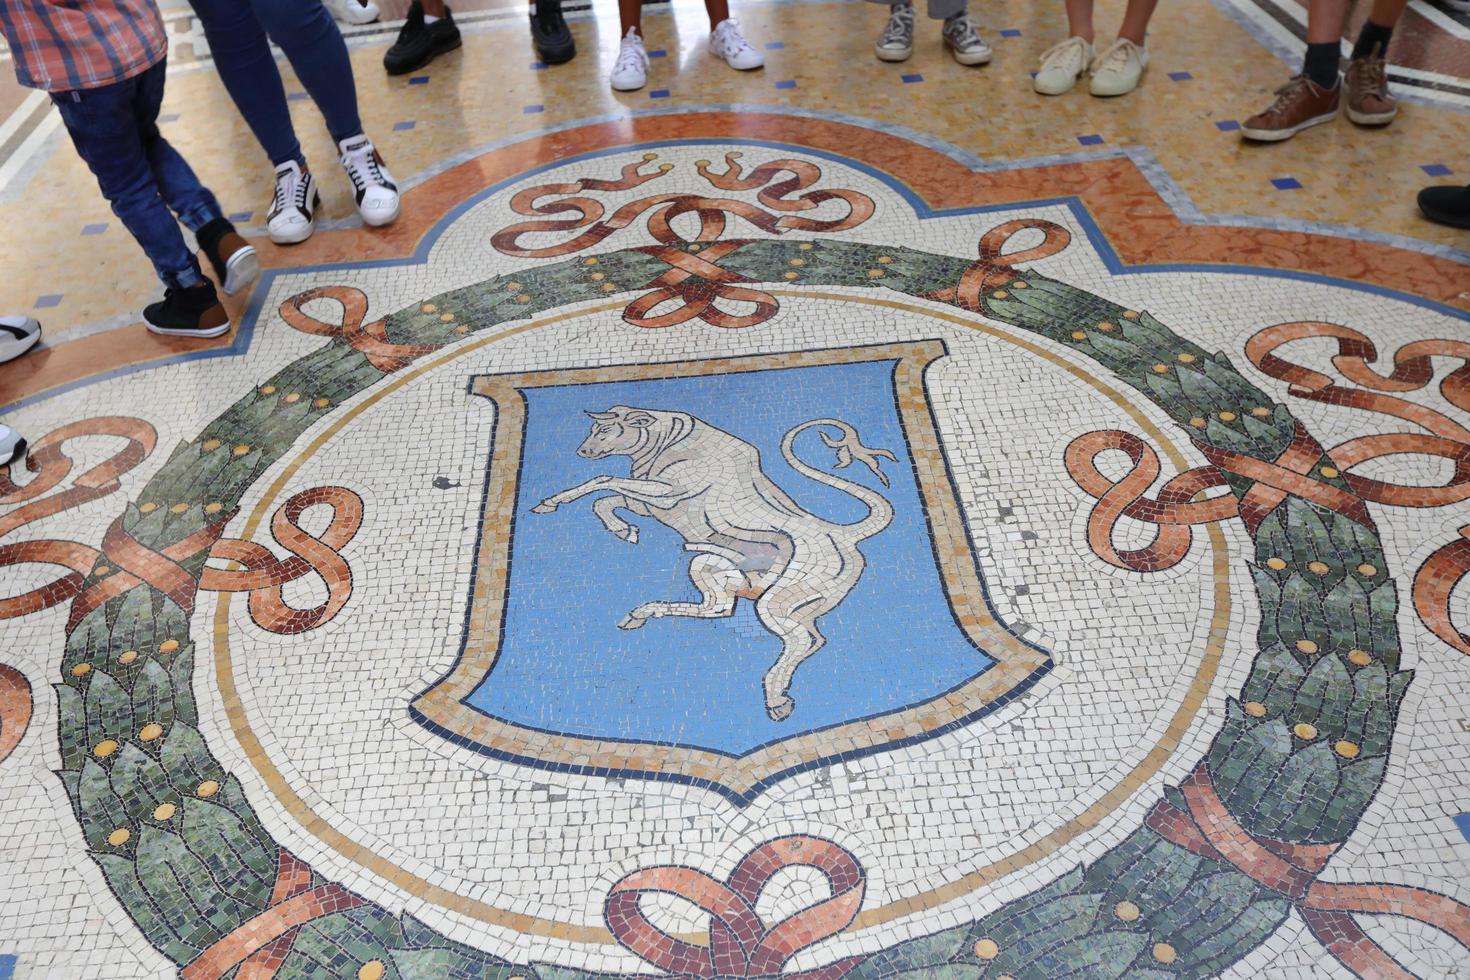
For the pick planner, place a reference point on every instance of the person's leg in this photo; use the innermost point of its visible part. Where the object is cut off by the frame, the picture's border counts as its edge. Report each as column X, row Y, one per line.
column 1325, row 20
column 313, row 44
column 104, row 128
column 630, row 16
column 1135, row 20
column 1369, row 102
column 726, row 41
column 180, row 187
column 1063, row 63
column 1313, row 96
column 718, row 10
column 1378, row 28
column 434, row 9
column 1079, row 19
column 242, row 55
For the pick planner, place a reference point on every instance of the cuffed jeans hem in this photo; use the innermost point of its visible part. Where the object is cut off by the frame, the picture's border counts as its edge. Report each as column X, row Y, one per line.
column 182, row 280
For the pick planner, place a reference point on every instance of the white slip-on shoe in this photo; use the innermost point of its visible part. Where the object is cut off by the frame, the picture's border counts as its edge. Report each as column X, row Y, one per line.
column 1061, row 65
column 377, row 195
column 1117, row 68
column 630, row 71
column 292, row 216
column 896, row 43
column 18, row 334
column 726, row 42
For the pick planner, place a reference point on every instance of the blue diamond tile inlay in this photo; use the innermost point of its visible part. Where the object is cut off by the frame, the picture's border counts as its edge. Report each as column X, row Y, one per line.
column 1010, row 32
column 1227, row 125
column 1436, row 170
column 7, row 965
column 170, row 117
column 47, row 301
column 659, row 93
column 1463, row 822
column 531, row 110
column 96, row 228
column 658, row 53
column 788, row 83
column 419, row 80
column 1180, row 76
column 1286, row 184
column 1091, row 139
column 775, row 45
column 538, row 66
column 296, row 96
column 911, row 79
column 240, row 217
column 399, row 127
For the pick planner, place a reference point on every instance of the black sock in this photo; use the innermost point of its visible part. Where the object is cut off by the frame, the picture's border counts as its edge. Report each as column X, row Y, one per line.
column 1322, row 64
column 1372, row 40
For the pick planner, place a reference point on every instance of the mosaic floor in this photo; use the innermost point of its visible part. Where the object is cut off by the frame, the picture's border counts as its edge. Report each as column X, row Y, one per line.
column 842, row 521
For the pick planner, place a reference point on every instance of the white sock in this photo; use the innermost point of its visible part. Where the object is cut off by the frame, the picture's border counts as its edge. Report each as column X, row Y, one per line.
column 429, row 19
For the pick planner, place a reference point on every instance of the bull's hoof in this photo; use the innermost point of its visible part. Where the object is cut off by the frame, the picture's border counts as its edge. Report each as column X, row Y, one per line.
column 545, row 507
column 631, row 622
column 781, row 710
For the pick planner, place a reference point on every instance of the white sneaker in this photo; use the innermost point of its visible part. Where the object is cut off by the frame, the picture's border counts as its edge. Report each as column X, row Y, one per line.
column 18, row 334
column 353, row 11
column 292, row 216
column 1061, row 66
column 965, row 42
column 630, row 71
column 12, row 446
column 377, row 194
column 1118, row 67
column 726, row 41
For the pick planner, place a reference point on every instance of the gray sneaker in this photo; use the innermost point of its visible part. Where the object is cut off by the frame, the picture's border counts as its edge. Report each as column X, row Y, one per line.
column 897, row 40
column 964, row 41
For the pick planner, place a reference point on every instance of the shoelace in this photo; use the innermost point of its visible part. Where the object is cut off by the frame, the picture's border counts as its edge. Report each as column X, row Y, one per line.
column 962, row 32
column 631, row 54
column 1116, row 55
column 297, row 194
column 1070, row 54
column 1289, row 93
column 1374, row 73
column 363, row 159
column 900, row 25
column 733, row 41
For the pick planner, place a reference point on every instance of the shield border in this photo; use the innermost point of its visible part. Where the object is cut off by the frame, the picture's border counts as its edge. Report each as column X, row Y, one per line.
column 443, row 708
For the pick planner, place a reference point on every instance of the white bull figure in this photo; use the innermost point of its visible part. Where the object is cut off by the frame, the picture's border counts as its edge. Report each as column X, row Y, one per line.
column 753, row 541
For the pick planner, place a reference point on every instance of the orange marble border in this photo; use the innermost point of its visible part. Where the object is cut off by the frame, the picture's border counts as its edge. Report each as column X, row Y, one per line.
column 1141, row 227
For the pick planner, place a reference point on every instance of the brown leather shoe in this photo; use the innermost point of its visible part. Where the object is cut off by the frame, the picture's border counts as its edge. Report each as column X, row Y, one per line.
column 1368, row 101
column 1299, row 103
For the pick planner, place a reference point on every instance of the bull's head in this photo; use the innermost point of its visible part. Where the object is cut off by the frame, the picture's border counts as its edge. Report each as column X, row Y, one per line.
column 619, row 431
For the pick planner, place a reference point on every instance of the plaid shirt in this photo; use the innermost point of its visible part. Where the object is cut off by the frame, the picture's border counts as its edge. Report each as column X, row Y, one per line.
column 63, row 45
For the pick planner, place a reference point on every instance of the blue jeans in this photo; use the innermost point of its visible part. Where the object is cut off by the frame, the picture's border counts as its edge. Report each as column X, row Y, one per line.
column 115, row 130
column 237, row 29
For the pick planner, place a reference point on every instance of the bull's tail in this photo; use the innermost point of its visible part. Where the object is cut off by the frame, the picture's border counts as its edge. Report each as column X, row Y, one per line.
column 849, row 447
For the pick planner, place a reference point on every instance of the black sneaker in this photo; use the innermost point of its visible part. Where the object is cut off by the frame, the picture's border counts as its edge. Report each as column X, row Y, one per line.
column 192, row 312
column 419, row 43
column 233, row 260
column 549, row 33
column 1446, row 205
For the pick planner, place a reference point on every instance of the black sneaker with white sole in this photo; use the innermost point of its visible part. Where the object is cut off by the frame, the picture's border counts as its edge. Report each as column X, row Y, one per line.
column 419, row 42
column 234, row 261
column 18, row 334
column 191, row 312
column 12, row 446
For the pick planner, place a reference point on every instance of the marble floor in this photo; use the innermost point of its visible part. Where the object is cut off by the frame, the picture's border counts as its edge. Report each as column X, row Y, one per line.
column 843, row 520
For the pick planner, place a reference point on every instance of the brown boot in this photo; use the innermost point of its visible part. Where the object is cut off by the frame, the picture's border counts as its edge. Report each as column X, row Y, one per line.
column 1368, row 101
column 1299, row 103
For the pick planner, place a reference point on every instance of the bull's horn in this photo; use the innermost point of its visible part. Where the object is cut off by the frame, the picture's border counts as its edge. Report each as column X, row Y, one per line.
column 602, row 416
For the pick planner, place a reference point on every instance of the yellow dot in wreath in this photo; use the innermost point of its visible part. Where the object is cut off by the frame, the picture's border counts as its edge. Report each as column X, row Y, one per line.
column 206, row 789
column 878, row 274
column 119, row 837
column 1079, row 334
column 1306, row 646
column 241, row 449
column 523, row 298
column 101, row 570
column 214, row 508
column 1304, row 731
column 1198, row 422
column 165, row 812
column 168, row 646
column 999, row 294
column 128, row 657
column 210, row 445
column 1346, row 749
column 1255, row 709
column 1360, row 658
column 1106, row 327
column 1020, row 284
column 104, row 748
column 1127, row 911
column 446, row 318
column 1275, row 564
column 321, row 403
column 598, row 277
column 1260, row 411
column 987, row 949
column 798, row 262
column 268, row 390
column 1367, row 571
column 81, row 670
column 694, row 247
column 1186, row 358
column 371, row 970
column 147, row 508
column 461, row 329
column 428, row 307
column 1165, row 953
column 885, row 259
column 512, row 287
column 180, row 508
column 1227, row 416
column 587, row 261
column 150, row 732
column 1318, row 567
column 793, row 275
column 292, row 398
column 1330, row 472
column 1161, row 369
column 607, row 287
column 1130, row 314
